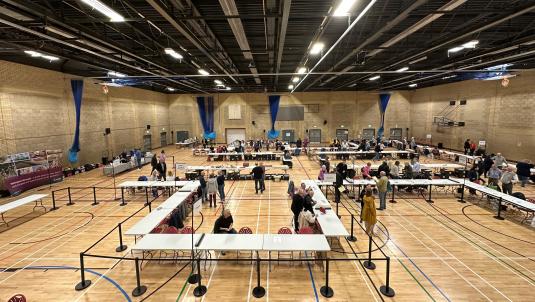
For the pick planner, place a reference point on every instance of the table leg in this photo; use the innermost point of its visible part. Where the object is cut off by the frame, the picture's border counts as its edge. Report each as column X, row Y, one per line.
column 430, row 200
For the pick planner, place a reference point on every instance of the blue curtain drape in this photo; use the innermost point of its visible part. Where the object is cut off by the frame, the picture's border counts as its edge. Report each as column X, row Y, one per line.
column 207, row 116
column 383, row 103
column 273, row 109
column 77, row 87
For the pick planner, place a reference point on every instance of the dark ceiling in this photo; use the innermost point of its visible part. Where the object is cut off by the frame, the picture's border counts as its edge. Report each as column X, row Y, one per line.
column 258, row 45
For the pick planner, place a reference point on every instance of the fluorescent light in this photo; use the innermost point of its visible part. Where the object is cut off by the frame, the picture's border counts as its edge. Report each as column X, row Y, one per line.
column 218, row 82
column 403, row 69
column 290, row 87
column 173, row 53
column 36, row 54
column 203, row 72
column 413, row 85
column 471, row 44
column 352, row 85
column 105, row 10
column 316, row 48
column 295, row 79
column 302, row 70
column 116, row 74
column 343, row 8
column 228, row 88
column 456, row 49
column 32, row 53
column 377, row 77
column 170, row 89
column 449, row 77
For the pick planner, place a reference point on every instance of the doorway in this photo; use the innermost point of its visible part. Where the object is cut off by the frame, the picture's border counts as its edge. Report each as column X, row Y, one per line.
column 163, row 139
column 288, row 135
column 342, row 134
column 234, row 134
column 314, row 135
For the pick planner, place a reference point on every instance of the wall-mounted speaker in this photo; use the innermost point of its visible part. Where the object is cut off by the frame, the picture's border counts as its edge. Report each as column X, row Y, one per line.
column 461, row 124
column 462, row 102
column 325, row 122
column 254, row 123
column 451, row 123
column 264, row 130
column 306, row 130
column 107, row 131
column 148, row 127
column 452, row 103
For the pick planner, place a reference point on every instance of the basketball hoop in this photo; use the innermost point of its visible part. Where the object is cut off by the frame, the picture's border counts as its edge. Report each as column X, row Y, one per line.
column 105, row 89
column 505, row 82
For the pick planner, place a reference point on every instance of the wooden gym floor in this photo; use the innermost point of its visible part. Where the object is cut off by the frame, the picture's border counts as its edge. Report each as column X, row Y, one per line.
column 446, row 251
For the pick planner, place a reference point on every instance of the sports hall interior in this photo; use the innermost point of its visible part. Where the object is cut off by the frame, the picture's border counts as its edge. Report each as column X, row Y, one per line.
column 74, row 242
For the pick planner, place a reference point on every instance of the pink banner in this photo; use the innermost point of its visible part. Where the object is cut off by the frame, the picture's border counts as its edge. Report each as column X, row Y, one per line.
column 18, row 184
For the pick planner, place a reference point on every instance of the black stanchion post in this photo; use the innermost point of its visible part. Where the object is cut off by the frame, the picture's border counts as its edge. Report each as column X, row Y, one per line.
column 122, row 197
column 368, row 263
column 53, row 202
column 146, row 195
column 429, row 199
column 95, row 202
column 499, row 217
column 325, row 290
column 200, row 290
column 351, row 237
column 393, row 200
column 150, row 207
column 337, row 209
column 140, row 289
column 121, row 246
column 386, row 289
column 462, row 195
column 70, row 203
column 83, row 283
column 258, row 291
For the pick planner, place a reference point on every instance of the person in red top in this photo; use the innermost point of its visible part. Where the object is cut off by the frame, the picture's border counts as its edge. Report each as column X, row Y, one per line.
column 472, row 148
column 366, row 170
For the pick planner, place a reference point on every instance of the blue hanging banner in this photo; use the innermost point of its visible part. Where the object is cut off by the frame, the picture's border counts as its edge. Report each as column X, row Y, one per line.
column 383, row 103
column 206, row 114
column 77, row 87
column 273, row 109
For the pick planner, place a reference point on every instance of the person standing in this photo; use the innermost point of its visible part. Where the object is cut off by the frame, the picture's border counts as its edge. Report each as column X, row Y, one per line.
column 323, row 170
column 377, row 150
column 298, row 145
column 472, row 148
column 382, row 188
column 369, row 215
column 154, row 163
column 297, row 206
column 500, row 161
column 137, row 155
column 523, row 170
column 258, row 176
column 163, row 164
column 202, row 182
column 221, row 185
column 211, row 189
column 508, row 179
column 487, row 164
column 342, row 168
column 494, row 175
column 466, row 146
column 337, row 185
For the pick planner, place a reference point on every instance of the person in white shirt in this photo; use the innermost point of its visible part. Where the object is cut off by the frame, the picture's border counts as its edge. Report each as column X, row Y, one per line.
column 499, row 160
column 306, row 219
column 416, row 168
column 394, row 170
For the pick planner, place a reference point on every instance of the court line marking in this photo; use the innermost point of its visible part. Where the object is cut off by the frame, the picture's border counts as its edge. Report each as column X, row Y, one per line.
column 464, row 237
column 445, row 262
column 268, row 230
column 56, row 247
column 253, row 264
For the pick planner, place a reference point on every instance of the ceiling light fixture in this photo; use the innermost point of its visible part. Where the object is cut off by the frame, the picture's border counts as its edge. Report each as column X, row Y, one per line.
column 377, row 77
column 302, row 70
column 173, row 53
column 203, row 72
column 317, row 48
column 418, row 60
column 218, row 82
column 290, row 87
column 115, row 74
column 413, row 85
column 228, row 88
column 449, row 77
column 171, row 89
column 403, row 69
column 36, row 54
column 105, row 10
column 343, row 8
column 468, row 45
column 295, row 79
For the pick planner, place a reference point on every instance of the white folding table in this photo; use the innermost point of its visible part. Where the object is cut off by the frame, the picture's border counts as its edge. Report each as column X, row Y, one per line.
column 37, row 198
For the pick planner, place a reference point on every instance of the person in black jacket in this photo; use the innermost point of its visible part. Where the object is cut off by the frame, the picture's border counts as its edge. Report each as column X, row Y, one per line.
column 339, row 182
column 487, row 164
column 384, row 167
column 342, row 168
column 221, row 185
column 153, row 163
column 523, row 171
column 467, row 146
column 309, row 202
column 258, row 176
column 298, row 203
